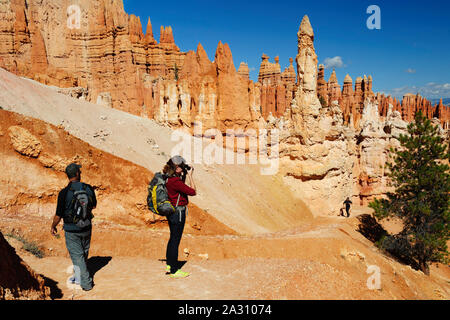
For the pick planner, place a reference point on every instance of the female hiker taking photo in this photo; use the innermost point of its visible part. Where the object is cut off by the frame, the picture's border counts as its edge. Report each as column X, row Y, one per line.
column 177, row 170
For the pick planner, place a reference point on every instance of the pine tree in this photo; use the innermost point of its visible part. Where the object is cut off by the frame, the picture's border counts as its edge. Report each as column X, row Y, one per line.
column 419, row 173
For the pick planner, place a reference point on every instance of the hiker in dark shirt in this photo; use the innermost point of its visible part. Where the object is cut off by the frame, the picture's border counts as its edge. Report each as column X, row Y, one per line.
column 348, row 204
column 176, row 170
column 78, row 239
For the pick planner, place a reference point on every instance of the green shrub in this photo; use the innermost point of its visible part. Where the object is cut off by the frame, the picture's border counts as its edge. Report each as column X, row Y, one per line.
column 29, row 246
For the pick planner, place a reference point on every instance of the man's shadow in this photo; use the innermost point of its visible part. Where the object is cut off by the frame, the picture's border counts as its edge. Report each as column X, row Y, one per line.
column 95, row 264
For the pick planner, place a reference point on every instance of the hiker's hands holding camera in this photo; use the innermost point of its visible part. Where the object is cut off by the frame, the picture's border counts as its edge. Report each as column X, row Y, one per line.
column 191, row 173
column 191, row 178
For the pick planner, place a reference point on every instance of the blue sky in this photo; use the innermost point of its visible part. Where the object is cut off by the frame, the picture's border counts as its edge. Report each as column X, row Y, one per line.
column 410, row 53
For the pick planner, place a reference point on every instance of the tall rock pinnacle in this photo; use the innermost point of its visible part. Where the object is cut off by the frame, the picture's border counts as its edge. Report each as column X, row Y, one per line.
column 306, row 65
column 149, row 33
column 306, row 28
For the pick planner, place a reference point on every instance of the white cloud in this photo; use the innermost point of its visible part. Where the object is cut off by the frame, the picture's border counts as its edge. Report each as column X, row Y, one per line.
column 409, row 70
column 431, row 90
column 335, row 62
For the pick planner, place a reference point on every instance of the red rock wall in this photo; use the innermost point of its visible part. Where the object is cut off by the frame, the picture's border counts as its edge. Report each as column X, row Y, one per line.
column 351, row 100
column 277, row 88
column 123, row 68
column 108, row 54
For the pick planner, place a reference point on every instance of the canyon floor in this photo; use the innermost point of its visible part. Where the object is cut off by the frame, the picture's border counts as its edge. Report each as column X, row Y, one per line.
column 325, row 258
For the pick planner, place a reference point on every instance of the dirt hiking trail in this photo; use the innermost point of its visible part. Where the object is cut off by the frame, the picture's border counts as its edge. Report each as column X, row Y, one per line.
column 324, row 259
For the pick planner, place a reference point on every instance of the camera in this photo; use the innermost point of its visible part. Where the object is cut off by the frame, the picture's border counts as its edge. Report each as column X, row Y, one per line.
column 186, row 168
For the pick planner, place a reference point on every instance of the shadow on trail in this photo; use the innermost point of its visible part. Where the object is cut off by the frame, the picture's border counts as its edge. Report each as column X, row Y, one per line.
column 370, row 228
column 55, row 292
column 396, row 247
column 95, row 264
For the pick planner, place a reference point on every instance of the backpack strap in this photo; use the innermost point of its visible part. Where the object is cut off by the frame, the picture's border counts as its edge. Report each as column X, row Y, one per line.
column 178, row 201
column 155, row 203
column 176, row 208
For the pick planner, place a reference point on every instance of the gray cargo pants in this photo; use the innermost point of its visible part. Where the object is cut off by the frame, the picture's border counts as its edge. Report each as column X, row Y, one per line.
column 78, row 245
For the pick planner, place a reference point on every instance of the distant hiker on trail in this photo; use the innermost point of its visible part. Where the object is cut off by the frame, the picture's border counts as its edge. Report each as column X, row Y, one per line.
column 348, row 204
column 75, row 204
column 176, row 171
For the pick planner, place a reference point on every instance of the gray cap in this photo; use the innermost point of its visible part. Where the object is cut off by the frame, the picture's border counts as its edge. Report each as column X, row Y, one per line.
column 177, row 160
column 72, row 170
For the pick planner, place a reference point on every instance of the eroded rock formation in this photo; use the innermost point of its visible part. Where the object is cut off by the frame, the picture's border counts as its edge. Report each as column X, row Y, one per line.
column 244, row 71
column 332, row 137
column 277, row 88
column 108, row 53
column 104, row 51
column 352, row 98
column 315, row 146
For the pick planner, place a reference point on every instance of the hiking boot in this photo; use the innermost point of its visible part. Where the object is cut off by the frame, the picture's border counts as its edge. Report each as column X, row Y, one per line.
column 167, row 269
column 179, row 275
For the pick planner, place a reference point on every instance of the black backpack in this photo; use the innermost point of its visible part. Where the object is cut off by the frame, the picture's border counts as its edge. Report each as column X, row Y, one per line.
column 80, row 209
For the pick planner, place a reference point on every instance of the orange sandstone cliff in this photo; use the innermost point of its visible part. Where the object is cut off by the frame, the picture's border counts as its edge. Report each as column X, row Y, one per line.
column 333, row 138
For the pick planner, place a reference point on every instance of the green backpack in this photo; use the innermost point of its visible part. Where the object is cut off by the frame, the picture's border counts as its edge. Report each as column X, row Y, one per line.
column 158, row 198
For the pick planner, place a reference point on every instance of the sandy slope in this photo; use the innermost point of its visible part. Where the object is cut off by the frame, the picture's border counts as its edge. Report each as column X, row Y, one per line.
column 31, row 185
column 230, row 193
